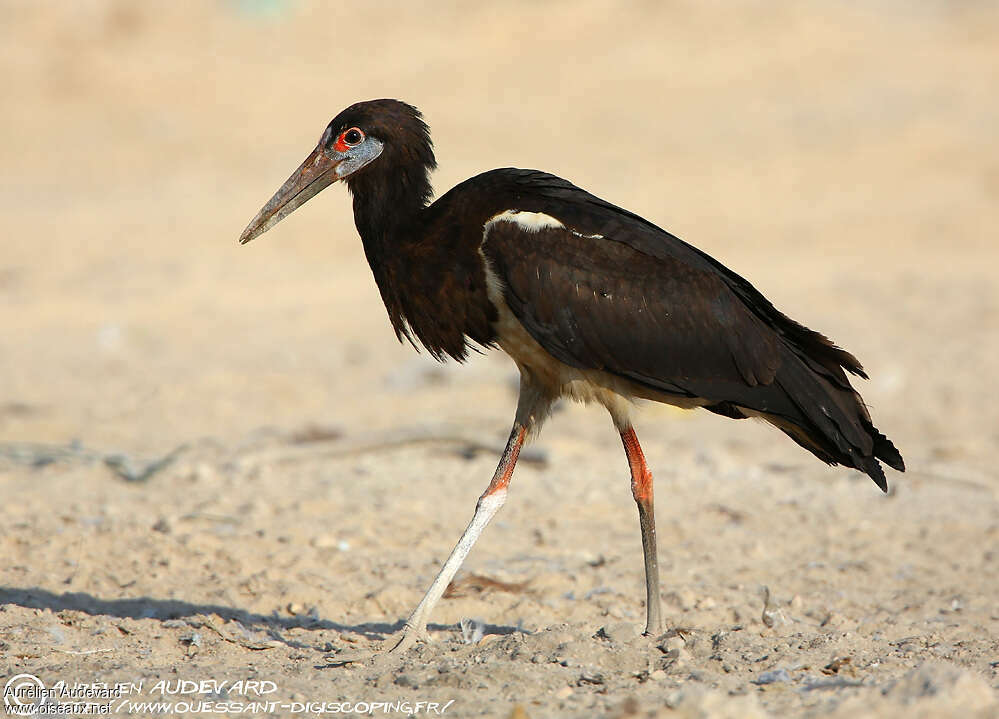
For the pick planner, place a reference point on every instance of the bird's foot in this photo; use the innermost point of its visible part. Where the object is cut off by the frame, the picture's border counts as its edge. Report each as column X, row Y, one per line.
column 408, row 638
column 394, row 646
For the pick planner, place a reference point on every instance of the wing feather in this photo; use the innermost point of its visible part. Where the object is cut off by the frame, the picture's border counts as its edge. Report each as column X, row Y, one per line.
column 601, row 304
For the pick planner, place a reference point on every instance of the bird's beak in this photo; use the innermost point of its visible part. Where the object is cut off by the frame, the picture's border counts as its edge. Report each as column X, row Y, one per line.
column 313, row 176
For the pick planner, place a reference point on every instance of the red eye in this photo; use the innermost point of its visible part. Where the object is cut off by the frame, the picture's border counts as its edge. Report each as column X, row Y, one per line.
column 351, row 138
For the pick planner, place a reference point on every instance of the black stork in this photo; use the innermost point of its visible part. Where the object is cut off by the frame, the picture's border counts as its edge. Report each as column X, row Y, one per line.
column 590, row 301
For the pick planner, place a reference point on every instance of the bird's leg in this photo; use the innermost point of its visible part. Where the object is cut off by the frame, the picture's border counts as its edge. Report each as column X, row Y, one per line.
column 489, row 503
column 641, row 490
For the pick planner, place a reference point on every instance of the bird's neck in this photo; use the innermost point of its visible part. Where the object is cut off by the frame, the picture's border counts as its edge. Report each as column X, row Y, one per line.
column 388, row 211
column 387, row 207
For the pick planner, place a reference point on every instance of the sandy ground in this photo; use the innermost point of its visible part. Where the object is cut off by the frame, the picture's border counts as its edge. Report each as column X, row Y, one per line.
column 843, row 156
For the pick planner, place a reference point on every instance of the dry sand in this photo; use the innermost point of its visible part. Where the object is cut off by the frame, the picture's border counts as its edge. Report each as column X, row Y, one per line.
column 843, row 156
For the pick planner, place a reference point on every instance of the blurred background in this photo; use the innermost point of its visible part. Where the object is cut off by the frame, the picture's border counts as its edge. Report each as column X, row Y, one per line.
column 842, row 156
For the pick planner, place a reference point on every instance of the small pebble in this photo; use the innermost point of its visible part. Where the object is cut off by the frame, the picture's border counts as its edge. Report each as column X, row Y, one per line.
column 773, row 615
column 619, row 632
column 324, row 541
column 673, row 699
column 773, row 677
column 406, row 680
column 672, row 643
column 162, row 526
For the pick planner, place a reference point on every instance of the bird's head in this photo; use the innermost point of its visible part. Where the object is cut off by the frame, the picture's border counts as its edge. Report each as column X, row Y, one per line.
column 386, row 135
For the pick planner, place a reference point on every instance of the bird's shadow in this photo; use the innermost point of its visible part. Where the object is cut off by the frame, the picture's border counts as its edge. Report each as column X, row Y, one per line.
column 167, row 609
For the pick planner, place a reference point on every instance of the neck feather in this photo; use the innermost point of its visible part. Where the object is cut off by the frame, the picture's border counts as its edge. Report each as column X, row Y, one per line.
column 387, row 205
column 387, row 212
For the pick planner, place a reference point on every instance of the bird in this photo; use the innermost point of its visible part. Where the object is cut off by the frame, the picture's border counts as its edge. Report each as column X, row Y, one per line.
column 592, row 302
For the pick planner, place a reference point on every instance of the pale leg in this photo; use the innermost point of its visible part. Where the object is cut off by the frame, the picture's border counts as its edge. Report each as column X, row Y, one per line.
column 489, row 503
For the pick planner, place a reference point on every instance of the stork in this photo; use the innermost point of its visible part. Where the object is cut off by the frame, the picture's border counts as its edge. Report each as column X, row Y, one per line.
column 591, row 302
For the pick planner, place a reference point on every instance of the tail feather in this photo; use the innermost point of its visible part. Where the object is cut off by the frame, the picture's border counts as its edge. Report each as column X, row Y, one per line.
column 832, row 422
column 872, row 468
column 886, row 452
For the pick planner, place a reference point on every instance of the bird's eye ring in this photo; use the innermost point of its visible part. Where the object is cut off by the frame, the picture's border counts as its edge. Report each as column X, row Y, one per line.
column 353, row 136
column 348, row 139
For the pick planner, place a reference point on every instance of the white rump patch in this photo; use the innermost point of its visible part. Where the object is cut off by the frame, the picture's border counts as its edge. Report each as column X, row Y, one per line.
column 532, row 222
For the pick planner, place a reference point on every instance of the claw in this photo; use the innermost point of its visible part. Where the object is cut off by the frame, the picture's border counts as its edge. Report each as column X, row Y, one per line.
column 409, row 637
column 397, row 645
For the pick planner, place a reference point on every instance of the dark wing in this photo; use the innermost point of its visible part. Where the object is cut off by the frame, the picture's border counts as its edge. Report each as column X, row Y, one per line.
column 595, row 303
column 611, row 291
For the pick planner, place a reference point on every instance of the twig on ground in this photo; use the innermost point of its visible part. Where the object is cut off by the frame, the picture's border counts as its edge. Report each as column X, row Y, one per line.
column 365, row 445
